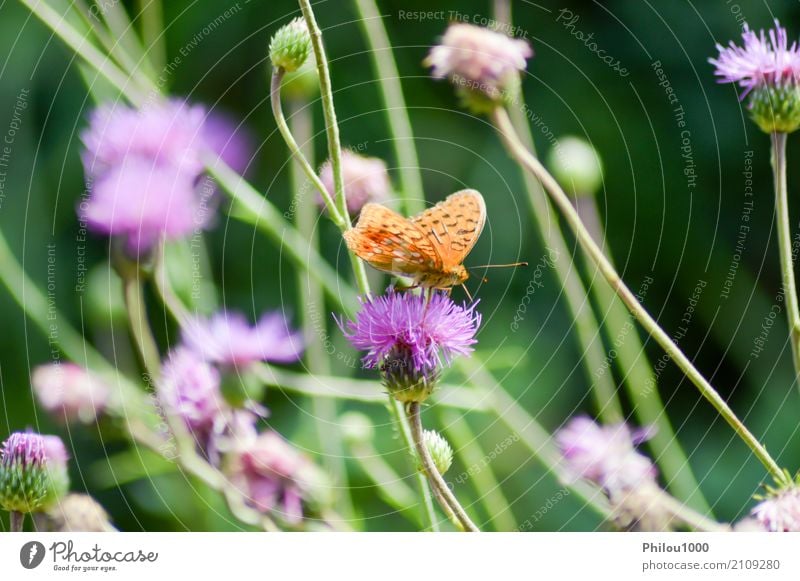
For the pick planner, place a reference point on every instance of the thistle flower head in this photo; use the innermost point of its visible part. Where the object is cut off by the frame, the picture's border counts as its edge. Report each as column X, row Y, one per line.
column 780, row 510
column 365, row 180
column 290, row 46
column 767, row 68
column 276, row 477
column 483, row 64
column 606, row 455
column 409, row 338
column 24, row 480
column 228, row 339
column 229, row 139
column 189, row 388
column 70, row 392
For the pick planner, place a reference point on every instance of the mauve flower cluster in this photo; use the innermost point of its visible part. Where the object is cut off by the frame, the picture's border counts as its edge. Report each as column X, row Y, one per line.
column 780, row 511
column 70, row 392
column 409, row 337
column 365, row 180
column 479, row 59
column 143, row 167
column 766, row 59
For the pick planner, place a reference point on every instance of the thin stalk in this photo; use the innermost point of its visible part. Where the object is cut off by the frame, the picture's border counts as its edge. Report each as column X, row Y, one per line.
column 151, row 15
column 16, row 521
column 518, row 151
column 86, row 50
column 443, row 493
column 335, row 153
column 383, row 62
column 325, row 410
column 785, row 245
column 139, row 325
column 295, row 151
column 637, row 373
column 484, row 481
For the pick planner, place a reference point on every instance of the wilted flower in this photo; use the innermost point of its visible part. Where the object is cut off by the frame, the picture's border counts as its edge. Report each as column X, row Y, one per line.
column 290, row 46
column 24, row 481
column 480, row 62
column 780, row 510
column 228, row 339
column 409, row 338
column 365, row 180
column 767, row 67
column 189, row 388
column 69, row 391
column 276, row 477
column 605, row 454
column 77, row 513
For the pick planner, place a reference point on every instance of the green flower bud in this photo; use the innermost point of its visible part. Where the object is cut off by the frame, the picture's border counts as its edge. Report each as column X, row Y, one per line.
column 577, row 165
column 290, row 46
column 404, row 381
column 439, row 449
column 776, row 108
column 24, row 480
column 356, row 427
column 302, row 83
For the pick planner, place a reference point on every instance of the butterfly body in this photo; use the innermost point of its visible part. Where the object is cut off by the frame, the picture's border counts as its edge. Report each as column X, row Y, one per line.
column 430, row 247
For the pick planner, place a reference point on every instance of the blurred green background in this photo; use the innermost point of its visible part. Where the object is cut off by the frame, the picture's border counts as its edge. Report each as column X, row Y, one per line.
column 656, row 227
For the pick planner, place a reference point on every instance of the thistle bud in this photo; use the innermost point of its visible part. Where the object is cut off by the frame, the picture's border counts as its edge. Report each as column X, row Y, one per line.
column 302, row 83
column 776, row 108
column 439, row 449
column 576, row 164
column 290, row 46
column 404, row 379
column 24, row 480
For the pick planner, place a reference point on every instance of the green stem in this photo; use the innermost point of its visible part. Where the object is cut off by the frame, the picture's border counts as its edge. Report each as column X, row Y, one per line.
column 785, row 245
column 380, row 51
column 517, row 150
column 296, row 152
column 16, row 521
column 484, row 481
column 637, row 372
column 325, row 410
column 139, row 324
column 86, row 50
column 443, row 494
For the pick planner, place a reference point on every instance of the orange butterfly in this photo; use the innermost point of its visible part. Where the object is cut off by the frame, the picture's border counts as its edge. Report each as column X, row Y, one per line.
column 429, row 247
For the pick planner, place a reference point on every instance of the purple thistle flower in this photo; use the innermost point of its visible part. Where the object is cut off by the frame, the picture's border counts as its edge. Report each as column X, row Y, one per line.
column 766, row 59
column 24, row 480
column 276, row 477
column 70, row 392
column 228, row 339
column 229, row 139
column 189, row 388
column 780, row 511
column 606, row 455
column 431, row 335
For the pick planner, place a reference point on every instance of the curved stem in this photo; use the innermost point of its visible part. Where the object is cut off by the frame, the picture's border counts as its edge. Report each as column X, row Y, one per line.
column 785, row 245
column 411, row 189
column 509, row 137
column 294, row 148
column 139, row 326
column 443, row 491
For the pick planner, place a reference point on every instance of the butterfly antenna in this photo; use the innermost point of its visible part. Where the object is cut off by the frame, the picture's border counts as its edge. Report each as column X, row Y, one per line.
column 498, row 265
column 466, row 291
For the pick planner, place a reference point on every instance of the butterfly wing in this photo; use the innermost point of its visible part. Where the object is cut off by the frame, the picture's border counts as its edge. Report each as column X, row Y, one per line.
column 391, row 243
column 454, row 225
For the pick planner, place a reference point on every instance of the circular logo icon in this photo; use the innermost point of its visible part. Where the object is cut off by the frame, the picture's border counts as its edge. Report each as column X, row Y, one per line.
column 31, row 554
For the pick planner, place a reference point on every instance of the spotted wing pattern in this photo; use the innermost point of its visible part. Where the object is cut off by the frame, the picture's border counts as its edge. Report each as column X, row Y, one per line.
column 453, row 225
column 392, row 243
